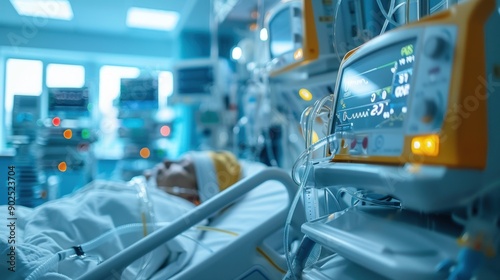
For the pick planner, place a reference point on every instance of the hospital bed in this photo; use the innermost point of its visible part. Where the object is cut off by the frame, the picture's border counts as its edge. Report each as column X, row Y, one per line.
column 243, row 241
column 235, row 253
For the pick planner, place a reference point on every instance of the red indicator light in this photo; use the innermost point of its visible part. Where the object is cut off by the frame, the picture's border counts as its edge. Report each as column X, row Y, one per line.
column 354, row 143
column 165, row 130
column 365, row 143
column 56, row 121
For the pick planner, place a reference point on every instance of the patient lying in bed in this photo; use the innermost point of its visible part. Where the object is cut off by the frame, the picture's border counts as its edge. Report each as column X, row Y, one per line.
column 197, row 176
column 103, row 207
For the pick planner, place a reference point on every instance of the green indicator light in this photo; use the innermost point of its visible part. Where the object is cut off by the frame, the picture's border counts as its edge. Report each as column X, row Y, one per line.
column 85, row 134
column 89, row 107
column 160, row 153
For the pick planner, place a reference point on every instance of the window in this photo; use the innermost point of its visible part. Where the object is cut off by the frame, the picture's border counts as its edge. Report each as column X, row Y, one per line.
column 22, row 77
column 65, row 76
column 165, row 87
column 109, row 86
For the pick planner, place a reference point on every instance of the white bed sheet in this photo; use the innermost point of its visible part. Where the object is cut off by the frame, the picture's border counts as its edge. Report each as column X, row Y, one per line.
column 73, row 220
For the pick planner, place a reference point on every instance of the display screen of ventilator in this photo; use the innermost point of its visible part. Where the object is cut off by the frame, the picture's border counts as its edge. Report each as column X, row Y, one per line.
column 374, row 90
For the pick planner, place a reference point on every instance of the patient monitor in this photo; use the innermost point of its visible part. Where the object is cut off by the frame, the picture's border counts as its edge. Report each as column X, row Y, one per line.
column 416, row 111
column 301, row 35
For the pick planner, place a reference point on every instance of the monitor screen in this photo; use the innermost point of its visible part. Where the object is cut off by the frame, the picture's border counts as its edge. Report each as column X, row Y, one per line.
column 25, row 113
column 139, row 94
column 68, row 99
column 195, row 80
column 281, row 37
column 373, row 90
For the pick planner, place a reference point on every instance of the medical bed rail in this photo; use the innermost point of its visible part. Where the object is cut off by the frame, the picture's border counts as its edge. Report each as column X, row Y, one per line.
column 109, row 268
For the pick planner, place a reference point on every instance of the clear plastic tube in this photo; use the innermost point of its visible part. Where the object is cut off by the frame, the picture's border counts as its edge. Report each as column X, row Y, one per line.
column 387, row 15
column 52, row 262
column 308, row 118
column 331, row 142
column 147, row 215
column 147, row 225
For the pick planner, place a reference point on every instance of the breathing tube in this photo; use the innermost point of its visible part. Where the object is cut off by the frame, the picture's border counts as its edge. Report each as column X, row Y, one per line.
column 306, row 191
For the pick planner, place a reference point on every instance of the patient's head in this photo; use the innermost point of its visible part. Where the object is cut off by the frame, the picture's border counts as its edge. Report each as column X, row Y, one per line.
column 197, row 176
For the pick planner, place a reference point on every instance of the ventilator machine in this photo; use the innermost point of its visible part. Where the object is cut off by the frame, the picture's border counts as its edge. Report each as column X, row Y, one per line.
column 407, row 181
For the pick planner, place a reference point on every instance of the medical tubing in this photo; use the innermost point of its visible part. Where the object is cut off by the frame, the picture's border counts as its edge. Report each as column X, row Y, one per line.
column 288, row 223
column 439, row 6
column 310, row 117
column 360, row 196
column 310, row 147
column 146, row 207
column 88, row 246
column 48, row 264
column 303, row 122
column 384, row 12
column 145, row 202
column 307, row 152
column 310, row 195
column 391, row 13
column 328, row 140
column 301, row 257
column 339, row 208
column 97, row 242
column 147, row 215
column 189, row 219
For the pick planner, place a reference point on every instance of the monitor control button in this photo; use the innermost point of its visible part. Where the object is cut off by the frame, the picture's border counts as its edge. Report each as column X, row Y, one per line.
column 436, row 47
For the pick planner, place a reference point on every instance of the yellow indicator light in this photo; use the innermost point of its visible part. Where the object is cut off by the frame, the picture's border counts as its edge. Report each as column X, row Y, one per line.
column 298, row 54
column 416, row 144
column 68, row 134
column 145, row 153
column 315, row 137
column 425, row 145
column 62, row 166
column 305, row 94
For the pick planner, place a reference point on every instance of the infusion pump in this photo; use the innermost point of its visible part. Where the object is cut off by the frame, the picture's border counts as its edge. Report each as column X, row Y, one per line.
column 416, row 111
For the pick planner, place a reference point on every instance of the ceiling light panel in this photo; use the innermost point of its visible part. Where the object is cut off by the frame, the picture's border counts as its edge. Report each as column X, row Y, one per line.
column 152, row 19
column 54, row 9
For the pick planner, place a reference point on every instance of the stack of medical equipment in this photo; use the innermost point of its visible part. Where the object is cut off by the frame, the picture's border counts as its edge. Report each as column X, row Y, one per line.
column 30, row 186
column 407, row 182
column 200, row 100
column 140, row 130
column 64, row 139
